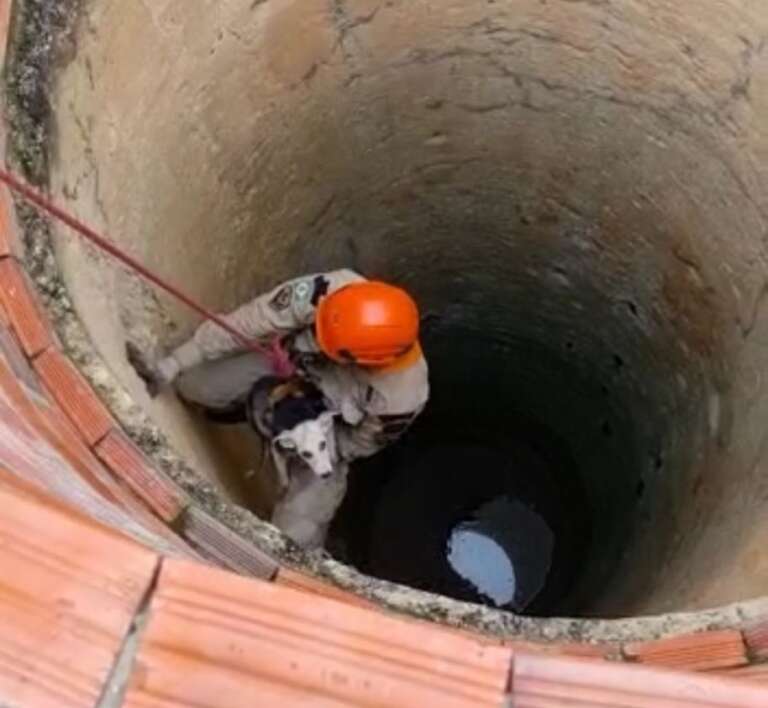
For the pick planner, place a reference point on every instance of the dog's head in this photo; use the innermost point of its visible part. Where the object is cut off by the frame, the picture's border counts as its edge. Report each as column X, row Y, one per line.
column 313, row 441
column 296, row 418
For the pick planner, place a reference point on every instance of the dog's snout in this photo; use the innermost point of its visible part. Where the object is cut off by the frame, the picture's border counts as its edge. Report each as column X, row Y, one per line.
column 326, row 474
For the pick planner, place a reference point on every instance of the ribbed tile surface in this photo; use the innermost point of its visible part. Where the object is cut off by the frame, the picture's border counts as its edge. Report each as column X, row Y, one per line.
column 542, row 681
column 216, row 639
column 65, row 603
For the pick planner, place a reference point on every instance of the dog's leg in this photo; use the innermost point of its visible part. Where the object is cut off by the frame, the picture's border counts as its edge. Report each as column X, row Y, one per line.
column 306, row 511
column 281, row 469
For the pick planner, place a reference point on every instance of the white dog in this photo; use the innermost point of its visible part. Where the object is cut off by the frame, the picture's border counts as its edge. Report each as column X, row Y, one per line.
column 295, row 419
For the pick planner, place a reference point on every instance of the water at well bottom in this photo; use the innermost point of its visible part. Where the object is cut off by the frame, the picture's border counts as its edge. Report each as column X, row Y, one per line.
column 504, row 525
column 504, row 551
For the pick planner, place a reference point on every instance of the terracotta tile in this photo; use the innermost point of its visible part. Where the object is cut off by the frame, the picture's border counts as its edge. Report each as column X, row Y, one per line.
column 755, row 672
column 121, row 499
column 17, row 360
column 74, row 395
column 588, row 651
column 68, row 592
column 51, row 424
column 171, row 549
column 58, row 431
column 9, row 229
column 221, row 690
column 577, row 649
column 32, row 444
column 756, row 638
column 225, row 547
column 5, row 320
column 217, row 639
column 66, row 439
column 5, row 18
column 704, row 651
column 15, row 444
column 131, row 466
column 27, row 317
column 20, row 444
column 302, row 581
column 546, row 681
column 25, row 398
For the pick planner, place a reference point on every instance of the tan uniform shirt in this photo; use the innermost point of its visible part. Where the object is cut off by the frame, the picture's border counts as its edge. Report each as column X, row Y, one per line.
column 376, row 406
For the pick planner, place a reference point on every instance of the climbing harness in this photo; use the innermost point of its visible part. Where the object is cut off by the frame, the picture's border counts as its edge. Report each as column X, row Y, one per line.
column 274, row 351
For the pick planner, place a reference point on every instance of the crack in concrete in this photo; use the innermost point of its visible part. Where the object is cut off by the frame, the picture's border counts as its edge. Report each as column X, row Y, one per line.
column 740, row 89
column 757, row 306
column 687, row 261
column 84, row 128
column 551, row 38
column 679, row 103
column 483, row 108
column 345, row 25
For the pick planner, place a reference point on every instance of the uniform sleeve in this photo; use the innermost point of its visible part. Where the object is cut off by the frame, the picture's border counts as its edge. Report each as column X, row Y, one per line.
column 389, row 410
column 362, row 440
column 289, row 307
column 372, row 434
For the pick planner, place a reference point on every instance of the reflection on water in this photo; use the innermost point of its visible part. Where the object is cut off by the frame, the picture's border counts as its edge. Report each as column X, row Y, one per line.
column 479, row 559
column 504, row 550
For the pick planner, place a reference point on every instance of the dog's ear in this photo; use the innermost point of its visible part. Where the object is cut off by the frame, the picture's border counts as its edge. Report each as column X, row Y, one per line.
column 268, row 419
column 284, row 443
column 327, row 417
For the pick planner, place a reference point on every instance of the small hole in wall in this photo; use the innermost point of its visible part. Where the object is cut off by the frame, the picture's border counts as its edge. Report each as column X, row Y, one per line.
column 607, row 429
column 632, row 308
column 640, row 489
column 618, row 362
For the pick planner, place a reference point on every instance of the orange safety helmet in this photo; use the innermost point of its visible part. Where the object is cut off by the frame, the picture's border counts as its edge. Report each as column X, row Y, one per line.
column 367, row 323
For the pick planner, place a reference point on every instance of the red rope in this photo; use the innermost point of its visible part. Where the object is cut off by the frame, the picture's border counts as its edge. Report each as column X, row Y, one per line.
column 276, row 354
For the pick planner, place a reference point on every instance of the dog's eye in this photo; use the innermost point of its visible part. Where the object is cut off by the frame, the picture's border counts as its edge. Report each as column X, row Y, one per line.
column 307, row 455
column 323, row 445
column 286, row 445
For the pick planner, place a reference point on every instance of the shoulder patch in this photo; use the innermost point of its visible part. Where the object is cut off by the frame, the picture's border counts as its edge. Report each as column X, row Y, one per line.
column 282, row 299
column 301, row 292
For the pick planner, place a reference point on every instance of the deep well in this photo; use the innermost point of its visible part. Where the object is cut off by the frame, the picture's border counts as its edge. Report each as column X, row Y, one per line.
column 574, row 190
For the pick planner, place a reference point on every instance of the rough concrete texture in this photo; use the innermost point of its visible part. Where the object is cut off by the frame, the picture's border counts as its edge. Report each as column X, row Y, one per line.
column 573, row 188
